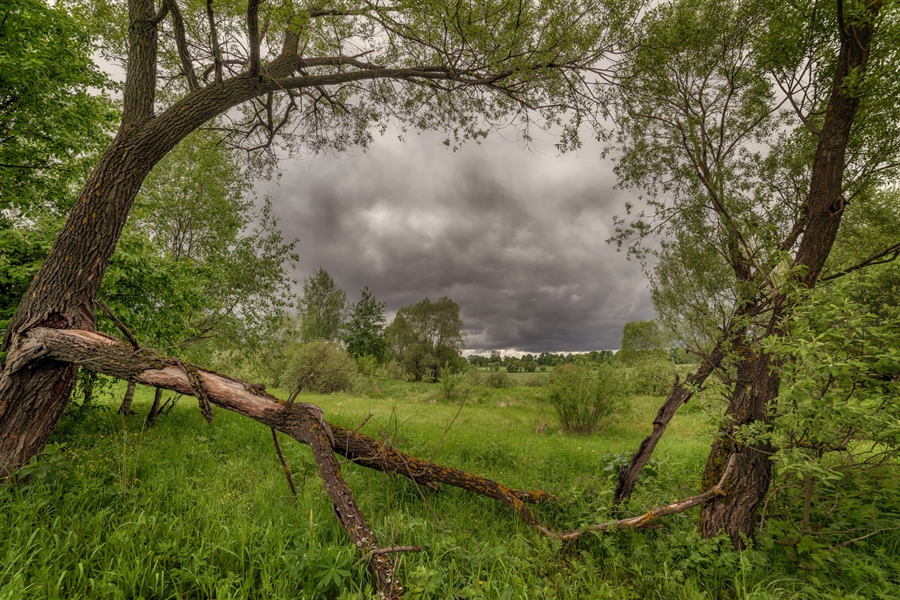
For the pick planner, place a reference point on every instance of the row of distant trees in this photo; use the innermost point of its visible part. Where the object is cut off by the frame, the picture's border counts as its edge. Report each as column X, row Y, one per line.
column 642, row 341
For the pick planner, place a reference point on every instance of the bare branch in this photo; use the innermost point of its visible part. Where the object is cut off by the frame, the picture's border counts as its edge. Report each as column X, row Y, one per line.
column 112, row 317
column 644, row 521
column 284, row 465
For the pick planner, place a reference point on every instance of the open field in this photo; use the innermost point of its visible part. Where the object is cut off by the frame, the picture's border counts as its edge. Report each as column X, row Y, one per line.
column 189, row 510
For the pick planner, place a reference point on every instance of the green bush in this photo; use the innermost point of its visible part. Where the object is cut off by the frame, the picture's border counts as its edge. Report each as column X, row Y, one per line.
column 651, row 378
column 453, row 385
column 495, row 379
column 583, row 397
column 319, row 366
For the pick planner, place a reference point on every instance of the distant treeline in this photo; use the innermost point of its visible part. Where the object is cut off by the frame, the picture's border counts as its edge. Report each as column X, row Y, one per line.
column 531, row 362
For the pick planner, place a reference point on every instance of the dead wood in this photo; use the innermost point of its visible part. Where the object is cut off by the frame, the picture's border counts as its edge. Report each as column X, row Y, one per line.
column 646, row 520
column 300, row 420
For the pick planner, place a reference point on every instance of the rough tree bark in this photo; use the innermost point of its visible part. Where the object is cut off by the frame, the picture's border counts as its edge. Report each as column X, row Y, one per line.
column 734, row 511
column 125, row 407
column 302, row 421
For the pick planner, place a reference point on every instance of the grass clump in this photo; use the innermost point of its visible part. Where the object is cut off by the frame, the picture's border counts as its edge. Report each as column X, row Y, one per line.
column 583, row 397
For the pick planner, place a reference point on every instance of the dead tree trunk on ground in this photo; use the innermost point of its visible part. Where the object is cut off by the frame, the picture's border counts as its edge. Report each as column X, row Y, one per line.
column 300, row 420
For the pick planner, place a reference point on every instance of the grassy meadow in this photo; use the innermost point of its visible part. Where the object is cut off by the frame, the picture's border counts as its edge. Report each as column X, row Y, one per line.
column 183, row 509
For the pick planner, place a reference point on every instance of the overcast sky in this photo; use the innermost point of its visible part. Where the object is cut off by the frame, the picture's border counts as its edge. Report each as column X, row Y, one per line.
column 516, row 237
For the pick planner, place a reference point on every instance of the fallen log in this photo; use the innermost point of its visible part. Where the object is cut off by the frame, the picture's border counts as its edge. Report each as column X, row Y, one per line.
column 302, row 421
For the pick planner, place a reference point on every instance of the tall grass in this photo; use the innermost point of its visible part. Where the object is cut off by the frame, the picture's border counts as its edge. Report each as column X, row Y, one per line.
column 189, row 510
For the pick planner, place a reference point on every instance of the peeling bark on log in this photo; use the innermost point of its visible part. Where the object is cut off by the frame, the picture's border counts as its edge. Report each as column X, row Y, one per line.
column 681, row 393
column 300, row 420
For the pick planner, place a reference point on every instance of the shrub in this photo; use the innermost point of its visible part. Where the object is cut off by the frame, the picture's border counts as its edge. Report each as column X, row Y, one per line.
column 496, row 379
column 651, row 378
column 582, row 397
column 319, row 366
column 453, row 385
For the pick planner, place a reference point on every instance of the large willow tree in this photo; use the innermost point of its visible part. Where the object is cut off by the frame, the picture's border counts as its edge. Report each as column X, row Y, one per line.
column 753, row 125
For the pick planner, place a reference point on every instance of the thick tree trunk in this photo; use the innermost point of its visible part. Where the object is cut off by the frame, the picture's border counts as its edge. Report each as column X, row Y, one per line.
column 734, row 511
column 125, row 408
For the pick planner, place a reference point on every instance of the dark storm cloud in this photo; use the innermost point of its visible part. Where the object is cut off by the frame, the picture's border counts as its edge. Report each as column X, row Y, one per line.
column 516, row 237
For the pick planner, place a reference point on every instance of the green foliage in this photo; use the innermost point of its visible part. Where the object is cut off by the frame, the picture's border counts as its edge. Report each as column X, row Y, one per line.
column 425, row 336
column 198, row 261
column 583, row 397
column 836, row 425
column 363, row 333
column 650, row 377
column 454, row 385
column 323, row 307
column 205, row 512
column 319, row 366
column 22, row 251
column 55, row 116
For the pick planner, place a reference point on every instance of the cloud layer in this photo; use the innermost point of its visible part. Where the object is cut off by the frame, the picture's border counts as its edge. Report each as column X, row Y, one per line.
column 515, row 237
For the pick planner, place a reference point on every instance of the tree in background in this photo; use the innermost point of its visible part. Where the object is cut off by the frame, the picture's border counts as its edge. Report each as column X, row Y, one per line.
column 55, row 120
column 363, row 333
column 199, row 268
column 55, row 114
column 323, row 307
column 642, row 341
column 425, row 336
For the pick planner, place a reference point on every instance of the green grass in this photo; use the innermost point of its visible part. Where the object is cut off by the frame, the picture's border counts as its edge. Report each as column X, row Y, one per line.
column 189, row 510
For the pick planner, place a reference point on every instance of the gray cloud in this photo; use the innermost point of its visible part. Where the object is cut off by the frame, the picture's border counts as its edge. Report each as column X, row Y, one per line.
column 516, row 237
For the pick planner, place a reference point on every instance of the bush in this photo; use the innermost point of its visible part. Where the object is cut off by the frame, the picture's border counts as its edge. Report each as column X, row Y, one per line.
column 496, row 379
column 582, row 397
column 319, row 366
column 453, row 385
column 651, row 378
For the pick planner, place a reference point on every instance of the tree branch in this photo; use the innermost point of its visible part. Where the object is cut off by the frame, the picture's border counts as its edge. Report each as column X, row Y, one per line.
column 894, row 251
column 214, row 41
column 644, row 521
column 253, row 34
column 187, row 65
